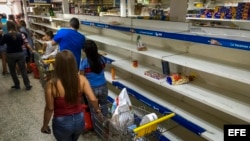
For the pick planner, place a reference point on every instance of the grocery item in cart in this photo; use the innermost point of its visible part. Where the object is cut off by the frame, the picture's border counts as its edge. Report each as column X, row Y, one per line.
column 148, row 118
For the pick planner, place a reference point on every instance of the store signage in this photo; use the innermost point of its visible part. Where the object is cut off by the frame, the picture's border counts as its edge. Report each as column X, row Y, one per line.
column 87, row 23
column 149, row 32
column 40, row 1
column 100, row 25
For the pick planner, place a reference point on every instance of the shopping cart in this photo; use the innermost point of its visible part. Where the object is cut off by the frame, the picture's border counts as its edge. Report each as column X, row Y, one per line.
column 133, row 131
column 47, row 67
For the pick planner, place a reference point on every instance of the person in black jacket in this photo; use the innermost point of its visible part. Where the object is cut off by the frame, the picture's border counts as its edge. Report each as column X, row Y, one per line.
column 15, row 56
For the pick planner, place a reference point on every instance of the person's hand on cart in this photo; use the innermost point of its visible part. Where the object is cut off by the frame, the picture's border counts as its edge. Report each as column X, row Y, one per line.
column 99, row 115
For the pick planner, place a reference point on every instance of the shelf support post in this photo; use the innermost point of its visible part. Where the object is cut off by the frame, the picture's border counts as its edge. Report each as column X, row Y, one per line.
column 178, row 10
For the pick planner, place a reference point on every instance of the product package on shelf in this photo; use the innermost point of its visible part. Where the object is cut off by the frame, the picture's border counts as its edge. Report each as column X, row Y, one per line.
column 178, row 79
column 154, row 74
column 206, row 13
column 140, row 45
column 243, row 11
column 224, row 12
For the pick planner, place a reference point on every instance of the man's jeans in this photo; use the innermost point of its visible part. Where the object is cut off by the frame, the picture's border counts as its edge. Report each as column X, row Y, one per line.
column 68, row 128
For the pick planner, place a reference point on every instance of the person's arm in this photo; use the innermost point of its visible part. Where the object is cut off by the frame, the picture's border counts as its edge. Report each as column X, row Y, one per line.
column 44, row 46
column 57, row 38
column 49, row 108
column 53, row 43
column 29, row 47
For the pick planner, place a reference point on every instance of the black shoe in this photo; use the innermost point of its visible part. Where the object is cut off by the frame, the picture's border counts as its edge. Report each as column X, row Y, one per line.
column 28, row 88
column 15, row 87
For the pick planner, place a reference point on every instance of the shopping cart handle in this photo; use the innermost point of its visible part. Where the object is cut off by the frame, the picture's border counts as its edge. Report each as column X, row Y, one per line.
column 153, row 123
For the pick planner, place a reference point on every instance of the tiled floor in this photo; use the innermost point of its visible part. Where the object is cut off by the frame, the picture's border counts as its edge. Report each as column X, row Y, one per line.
column 21, row 112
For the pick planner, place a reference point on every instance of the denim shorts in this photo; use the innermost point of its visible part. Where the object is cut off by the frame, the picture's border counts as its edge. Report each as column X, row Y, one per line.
column 68, row 128
column 3, row 48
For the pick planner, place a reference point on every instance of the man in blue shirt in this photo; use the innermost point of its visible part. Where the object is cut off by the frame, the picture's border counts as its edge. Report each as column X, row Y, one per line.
column 70, row 39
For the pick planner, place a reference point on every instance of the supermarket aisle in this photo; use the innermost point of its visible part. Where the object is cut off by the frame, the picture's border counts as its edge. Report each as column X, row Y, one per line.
column 21, row 112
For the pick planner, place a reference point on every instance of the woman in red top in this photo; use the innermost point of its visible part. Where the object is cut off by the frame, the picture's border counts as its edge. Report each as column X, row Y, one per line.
column 63, row 95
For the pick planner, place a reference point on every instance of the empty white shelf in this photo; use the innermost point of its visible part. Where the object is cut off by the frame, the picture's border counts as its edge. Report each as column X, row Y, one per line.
column 39, row 16
column 132, row 46
column 61, row 19
column 235, row 72
column 231, row 103
column 46, row 25
column 37, row 31
column 225, row 101
column 112, row 56
column 139, row 71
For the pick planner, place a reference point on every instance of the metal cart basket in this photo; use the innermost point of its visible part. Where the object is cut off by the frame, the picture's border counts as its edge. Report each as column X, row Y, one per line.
column 133, row 131
column 45, row 68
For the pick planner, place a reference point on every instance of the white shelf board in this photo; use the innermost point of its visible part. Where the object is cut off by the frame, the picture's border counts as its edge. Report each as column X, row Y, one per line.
column 128, row 45
column 39, row 16
column 139, row 71
column 113, row 56
column 86, row 34
column 222, row 20
column 225, row 101
column 108, row 76
column 235, row 72
column 60, row 19
column 38, row 31
column 201, row 118
column 46, row 25
column 112, row 94
column 48, row 17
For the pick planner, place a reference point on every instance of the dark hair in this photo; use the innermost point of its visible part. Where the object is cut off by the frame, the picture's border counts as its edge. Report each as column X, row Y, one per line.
column 50, row 34
column 11, row 17
column 94, row 59
column 12, row 27
column 67, row 72
column 74, row 22
column 4, row 16
column 22, row 23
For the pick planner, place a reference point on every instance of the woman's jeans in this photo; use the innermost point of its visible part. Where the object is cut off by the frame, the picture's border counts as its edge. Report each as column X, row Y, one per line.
column 101, row 93
column 68, row 128
column 14, row 59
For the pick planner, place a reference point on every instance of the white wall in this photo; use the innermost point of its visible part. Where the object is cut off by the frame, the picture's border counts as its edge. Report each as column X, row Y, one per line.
column 5, row 9
column 14, row 9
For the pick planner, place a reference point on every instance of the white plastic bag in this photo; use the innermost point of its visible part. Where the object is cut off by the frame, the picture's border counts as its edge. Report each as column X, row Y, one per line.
column 122, row 116
column 122, row 99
